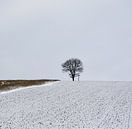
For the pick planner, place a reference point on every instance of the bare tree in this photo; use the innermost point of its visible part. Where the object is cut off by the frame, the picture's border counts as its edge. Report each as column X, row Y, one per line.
column 73, row 66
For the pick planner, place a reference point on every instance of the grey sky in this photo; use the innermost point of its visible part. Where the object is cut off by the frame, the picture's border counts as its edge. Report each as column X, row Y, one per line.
column 37, row 36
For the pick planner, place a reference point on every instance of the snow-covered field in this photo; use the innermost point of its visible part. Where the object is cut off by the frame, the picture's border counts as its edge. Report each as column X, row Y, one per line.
column 68, row 105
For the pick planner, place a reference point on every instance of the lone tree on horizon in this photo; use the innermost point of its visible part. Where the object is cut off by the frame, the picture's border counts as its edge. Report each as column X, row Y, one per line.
column 73, row 66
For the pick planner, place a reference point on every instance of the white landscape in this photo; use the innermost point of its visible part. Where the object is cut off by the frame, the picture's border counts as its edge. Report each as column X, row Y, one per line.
column 68, row 105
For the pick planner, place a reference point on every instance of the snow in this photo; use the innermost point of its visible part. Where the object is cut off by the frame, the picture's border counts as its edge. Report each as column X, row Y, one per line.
column 68, row 105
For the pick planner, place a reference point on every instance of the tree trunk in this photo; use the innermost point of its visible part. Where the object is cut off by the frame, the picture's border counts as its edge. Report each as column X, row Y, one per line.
column 73, row 78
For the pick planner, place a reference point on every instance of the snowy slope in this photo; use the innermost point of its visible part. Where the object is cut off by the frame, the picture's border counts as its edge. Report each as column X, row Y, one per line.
column 68, row 105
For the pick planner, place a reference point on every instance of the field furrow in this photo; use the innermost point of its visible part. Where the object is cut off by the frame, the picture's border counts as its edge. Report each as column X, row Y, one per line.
column 68, row 105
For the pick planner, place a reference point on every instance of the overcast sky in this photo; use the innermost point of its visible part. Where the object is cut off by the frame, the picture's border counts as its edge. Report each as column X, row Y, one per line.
column 37, row 36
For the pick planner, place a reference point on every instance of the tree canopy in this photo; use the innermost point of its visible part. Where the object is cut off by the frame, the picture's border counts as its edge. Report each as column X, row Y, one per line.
column 73, row 66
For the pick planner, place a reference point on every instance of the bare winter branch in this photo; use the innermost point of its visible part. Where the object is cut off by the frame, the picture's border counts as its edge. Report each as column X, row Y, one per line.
column 73, row 66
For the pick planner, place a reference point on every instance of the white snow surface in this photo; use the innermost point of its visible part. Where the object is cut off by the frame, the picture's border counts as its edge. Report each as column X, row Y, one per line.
column 68, row 105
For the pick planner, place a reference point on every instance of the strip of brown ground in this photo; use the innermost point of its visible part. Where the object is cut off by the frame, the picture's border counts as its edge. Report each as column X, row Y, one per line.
column 13, row 84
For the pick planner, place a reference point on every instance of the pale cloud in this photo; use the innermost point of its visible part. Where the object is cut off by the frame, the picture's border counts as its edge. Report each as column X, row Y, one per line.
column 17, row 10
column 36, row 36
